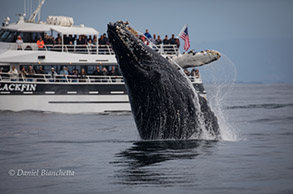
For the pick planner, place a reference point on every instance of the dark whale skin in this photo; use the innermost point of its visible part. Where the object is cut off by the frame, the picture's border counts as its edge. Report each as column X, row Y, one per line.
column 163, row 101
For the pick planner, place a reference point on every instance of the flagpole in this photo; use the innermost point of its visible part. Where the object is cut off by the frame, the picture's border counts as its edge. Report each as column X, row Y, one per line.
column 181, row 31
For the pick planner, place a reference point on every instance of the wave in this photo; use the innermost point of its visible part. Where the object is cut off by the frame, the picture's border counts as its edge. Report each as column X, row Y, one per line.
column 264, row 106
column 86, row 141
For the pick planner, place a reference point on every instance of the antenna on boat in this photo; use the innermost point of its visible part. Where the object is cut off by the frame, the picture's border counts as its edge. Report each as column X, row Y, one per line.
column 34, row 14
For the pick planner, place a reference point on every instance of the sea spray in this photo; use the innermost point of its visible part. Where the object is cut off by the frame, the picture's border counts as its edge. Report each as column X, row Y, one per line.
column 205, row 130
column 219, row 79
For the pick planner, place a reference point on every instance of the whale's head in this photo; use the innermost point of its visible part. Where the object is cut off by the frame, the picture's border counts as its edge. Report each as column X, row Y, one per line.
column 136, row 59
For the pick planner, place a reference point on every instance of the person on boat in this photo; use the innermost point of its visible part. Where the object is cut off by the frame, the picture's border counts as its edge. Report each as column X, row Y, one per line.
column 41, row 70
column 159, row 40
column 166, row 43
column 39, row 73
column 82, row 75
column 74, row 75
column 98, row 71
column 40, row 43
column 72, row 38
column 90, row 38
column 47, row 41
column 70, row 47
column 58, row 36
column 105, row 71
column 186, row 72
column 90, row 46
column 166, row 40
column 95, row 40
column 113, row 71
column 31, row 70
column 101, row 40
column 30, row 73
column 81, row 42
column 52, row 75
column 106, row 39
column 83, row 39
column 66, row 39
column 19, row 42
column 13, row 73
column 147, row 34
column 154, row 39
column 23, row 73
column 172, row 40
column 64, row 72
column 196, row 74
column 59, row 41
column 143, row 39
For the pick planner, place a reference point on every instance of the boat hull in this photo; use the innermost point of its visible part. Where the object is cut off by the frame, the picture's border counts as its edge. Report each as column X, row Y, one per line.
column 66, row 103
column 64, row 97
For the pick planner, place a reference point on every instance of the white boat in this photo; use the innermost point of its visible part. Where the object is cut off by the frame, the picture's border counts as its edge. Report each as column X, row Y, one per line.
column 61, row 93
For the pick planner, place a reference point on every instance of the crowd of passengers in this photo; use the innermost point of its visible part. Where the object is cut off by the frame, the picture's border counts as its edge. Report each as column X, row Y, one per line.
column 31, row 72
column 147, row 37
column 73, row 40
column 52, row 43
column 84, row 41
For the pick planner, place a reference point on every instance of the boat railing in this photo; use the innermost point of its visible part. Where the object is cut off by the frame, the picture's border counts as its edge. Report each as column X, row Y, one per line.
column 167, row 49
column 61, row 78
column 73, row 78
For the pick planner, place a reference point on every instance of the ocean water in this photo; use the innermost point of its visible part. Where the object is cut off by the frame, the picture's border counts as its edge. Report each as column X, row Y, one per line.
column 64, row 153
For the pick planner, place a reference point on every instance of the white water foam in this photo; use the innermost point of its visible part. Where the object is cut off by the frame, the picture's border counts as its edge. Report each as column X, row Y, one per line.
column 219, row 78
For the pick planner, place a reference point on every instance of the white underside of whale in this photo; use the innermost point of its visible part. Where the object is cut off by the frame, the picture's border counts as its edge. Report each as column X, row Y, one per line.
column 196, row 59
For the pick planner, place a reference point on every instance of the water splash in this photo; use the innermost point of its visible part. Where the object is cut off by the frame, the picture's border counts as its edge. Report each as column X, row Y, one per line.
column 219, row 79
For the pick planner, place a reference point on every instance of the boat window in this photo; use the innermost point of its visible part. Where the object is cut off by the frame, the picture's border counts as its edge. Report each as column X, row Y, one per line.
column 1, row 32
column 11, row 37
column 91, row 69
column 4, row 36
column 30, row 37
column 4, row 68
column 8, row 36
column 27, row 37
column 36, row 35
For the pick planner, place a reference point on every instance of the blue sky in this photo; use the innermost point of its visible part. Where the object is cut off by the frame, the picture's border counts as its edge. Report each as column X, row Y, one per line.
column 257, row 35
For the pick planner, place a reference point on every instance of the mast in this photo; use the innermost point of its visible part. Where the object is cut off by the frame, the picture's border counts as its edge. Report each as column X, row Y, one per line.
column 33, row 16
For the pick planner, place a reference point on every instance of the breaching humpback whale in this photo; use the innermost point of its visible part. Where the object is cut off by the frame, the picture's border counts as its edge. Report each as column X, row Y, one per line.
column 163, row 101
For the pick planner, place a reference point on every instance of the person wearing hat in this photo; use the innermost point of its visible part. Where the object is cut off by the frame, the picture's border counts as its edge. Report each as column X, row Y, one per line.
column 19, row 42
column 52, row 75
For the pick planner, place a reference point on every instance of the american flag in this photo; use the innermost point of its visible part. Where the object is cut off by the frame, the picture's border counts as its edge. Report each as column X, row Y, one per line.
column 184, row 35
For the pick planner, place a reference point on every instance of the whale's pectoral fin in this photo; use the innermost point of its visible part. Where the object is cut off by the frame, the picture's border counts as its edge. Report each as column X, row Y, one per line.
column 196, row 59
